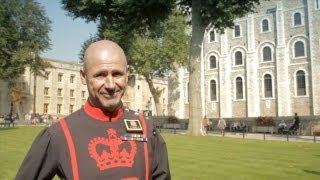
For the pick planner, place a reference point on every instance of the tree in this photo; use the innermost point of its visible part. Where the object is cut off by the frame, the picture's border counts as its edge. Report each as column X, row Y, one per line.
column 24, row 34
column 154, row 53
column 142, row 15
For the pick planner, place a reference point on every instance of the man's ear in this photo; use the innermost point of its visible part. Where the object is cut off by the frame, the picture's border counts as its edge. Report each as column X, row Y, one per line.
column 83, row 76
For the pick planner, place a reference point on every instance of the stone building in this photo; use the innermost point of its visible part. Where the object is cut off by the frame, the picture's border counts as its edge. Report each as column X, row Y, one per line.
column 267, row 65
column 60, row 92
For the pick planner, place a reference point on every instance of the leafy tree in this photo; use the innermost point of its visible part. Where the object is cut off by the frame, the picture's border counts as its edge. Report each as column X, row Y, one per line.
column 141, row 15
column 24, row 34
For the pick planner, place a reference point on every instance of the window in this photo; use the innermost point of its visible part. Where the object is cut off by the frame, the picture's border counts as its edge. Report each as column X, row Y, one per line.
column 213, row 90
column 267, row 86
column 59, row 92
column 297, row 19
column 301, row 83
column 213, row 62
column 60, row 75
column 83, row 94
column 212, row 36
column 46, row 75
column 45, row 107
column 239, row 88
column 46, row 91
column 267, row 54
column 237, row 31
column 299, row 49
column 187, row 92
column 71, row 108
column 265, row 25
column 59, row 107
column 72, row 78
column 238, row 58
column 317, row 4
column 71, row 93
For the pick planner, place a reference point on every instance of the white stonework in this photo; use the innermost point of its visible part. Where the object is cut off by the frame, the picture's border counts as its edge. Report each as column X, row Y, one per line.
column 67, row 94
column 280, row 37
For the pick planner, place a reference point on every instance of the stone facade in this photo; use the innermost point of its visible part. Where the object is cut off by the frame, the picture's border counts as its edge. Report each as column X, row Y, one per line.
column 60, row 92
column 289, row 29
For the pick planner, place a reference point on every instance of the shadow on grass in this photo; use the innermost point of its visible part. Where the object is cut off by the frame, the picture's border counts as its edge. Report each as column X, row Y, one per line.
column 7, row 128
column 312, row 172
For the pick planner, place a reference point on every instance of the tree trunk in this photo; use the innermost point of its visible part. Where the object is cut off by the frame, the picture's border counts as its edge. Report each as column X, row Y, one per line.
column 195, row 127
column 15, row 95
column 155, row 94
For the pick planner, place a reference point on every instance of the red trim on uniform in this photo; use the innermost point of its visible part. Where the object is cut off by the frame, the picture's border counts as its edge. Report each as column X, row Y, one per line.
column 72, row 150
column 145, row 145
column 97, row 113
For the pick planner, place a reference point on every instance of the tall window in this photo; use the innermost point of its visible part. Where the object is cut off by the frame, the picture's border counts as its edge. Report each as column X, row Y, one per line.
column 212, row 36
column 72, row 78
column 317, row 2
column 59, row 107
column 297, row 19
column 238, row 58
column 83, row 94
column 267, row 86
column 45, row 107
column 267, row 54
column 237, row 31
column 265, row 25
column 239, row 88
column 46, row 75
column 213, row 62
column 187, row 92
column 71, row 93
column 213, row 90
column 60, row 75
column 46, row 91
column 299, row 49
column 71, row 108
column 59, row 93
column 301, row 83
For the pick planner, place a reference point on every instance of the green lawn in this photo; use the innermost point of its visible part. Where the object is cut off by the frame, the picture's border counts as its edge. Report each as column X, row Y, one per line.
column 200, row 158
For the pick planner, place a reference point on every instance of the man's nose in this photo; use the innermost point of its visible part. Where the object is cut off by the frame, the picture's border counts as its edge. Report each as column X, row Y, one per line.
column 109, row 82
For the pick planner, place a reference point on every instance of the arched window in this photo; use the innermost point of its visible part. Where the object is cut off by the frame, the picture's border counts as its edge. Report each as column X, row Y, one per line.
column 297, row 19
column 267, row 86
column 237, row 31
column 299, row 49
column 238, row 58
column 267, row 54
column 212, row 36
column 213, row 62
column 301, row 83
column 239, row 88
column 213, row 90
column 265, row 25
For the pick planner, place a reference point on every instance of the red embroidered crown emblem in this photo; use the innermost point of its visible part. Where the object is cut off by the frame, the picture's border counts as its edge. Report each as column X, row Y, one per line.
column 112, row 156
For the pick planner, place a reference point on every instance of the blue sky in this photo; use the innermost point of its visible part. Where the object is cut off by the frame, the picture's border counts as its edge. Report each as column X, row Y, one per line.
column 67, row 35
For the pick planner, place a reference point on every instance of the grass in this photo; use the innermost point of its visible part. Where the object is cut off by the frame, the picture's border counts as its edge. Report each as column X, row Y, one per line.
column 200, row 158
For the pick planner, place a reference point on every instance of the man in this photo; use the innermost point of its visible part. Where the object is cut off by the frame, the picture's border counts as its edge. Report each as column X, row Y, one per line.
column 96, row 142
column 295, row 124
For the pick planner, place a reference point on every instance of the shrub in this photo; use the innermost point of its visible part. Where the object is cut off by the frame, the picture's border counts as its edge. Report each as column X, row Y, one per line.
column 173, row 119
column 265, row 121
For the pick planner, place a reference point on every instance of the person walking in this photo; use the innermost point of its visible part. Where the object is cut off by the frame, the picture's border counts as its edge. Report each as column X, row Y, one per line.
column 222, row 125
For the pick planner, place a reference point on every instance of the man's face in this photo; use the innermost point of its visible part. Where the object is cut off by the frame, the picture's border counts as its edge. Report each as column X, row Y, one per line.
column 106, row 77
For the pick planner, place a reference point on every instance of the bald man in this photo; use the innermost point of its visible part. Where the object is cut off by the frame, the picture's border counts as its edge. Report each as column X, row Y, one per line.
column 104, row 139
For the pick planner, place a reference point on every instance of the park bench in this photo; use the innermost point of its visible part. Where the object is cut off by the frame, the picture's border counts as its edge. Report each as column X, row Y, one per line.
column 7, row 124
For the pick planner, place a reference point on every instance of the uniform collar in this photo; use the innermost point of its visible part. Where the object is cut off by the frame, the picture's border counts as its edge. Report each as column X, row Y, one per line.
column 99, row 114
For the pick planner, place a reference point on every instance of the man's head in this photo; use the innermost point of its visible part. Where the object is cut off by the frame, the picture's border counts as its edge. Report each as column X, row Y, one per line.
column 105, row 72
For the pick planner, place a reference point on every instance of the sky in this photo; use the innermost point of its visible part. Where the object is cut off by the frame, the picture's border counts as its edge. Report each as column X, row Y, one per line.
column 67, row 34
